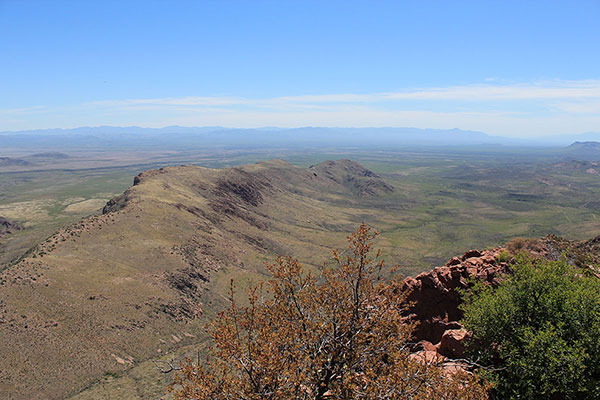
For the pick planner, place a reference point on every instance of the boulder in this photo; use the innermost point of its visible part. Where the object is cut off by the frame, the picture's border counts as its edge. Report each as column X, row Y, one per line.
column 452, row 344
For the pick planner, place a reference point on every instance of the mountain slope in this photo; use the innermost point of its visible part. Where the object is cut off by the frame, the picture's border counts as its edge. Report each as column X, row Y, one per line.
column 139, row 280
column 589, row 150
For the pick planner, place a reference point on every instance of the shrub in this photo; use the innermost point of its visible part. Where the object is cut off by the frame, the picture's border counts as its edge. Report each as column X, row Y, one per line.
column 540, row 329
column 520, row 245
column 340, row 335
column 504, row 256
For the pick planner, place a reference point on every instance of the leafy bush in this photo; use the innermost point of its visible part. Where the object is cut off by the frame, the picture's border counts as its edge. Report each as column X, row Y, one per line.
column 504, row 256
column 340, row 335
column 540, row 329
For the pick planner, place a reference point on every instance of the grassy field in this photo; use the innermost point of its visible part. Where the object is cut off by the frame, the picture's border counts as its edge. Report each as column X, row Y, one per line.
column 447, row 203
column 44, row 201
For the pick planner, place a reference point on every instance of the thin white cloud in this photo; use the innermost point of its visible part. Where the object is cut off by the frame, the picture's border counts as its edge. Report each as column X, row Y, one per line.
column 550, row 90
column 22, row 110
column 172, row 101
column 522, row 109
column 486, row 92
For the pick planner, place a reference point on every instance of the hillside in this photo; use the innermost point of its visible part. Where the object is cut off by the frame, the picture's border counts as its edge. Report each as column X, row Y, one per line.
column 11, row 162
column 50, row 155
column 585, row 146
column 138, row 281
column 589, row 150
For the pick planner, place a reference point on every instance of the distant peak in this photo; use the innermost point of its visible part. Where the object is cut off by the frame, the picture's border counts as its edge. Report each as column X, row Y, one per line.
column 587, row 144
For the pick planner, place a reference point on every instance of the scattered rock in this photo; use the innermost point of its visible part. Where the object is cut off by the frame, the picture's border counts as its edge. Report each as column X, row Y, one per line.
column 119, row 359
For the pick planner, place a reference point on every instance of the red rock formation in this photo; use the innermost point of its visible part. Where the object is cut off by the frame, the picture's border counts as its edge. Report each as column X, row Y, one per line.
column 435, row 298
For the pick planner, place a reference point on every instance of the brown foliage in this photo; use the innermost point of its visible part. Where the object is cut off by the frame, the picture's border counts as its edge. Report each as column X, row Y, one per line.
column 339, row 335
column 520, row 245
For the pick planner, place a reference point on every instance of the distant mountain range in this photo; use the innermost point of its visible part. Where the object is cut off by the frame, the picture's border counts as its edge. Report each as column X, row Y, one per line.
column 177, row 137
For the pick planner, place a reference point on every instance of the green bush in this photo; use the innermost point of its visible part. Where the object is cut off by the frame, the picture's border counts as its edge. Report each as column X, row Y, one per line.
column 539, row 331
column 504, row 256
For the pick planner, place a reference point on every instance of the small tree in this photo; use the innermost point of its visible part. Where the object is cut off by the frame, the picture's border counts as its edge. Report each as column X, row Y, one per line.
column 541, row 330
column 340, row 335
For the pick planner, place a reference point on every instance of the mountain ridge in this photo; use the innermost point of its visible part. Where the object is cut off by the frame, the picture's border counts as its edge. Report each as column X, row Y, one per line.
column 113, row 290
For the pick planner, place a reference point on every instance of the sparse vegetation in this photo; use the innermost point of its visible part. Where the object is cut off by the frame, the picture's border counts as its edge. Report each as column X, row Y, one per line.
column 539, row 330
column 340, row 335
column 112, row 374
column 522, row 245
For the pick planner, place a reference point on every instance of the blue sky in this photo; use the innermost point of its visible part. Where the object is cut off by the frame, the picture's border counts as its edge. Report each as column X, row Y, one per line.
column 522, row 68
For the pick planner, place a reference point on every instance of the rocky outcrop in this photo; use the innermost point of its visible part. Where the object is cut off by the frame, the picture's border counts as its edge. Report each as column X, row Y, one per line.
column 434, row 299
column 352, row 176
column 7, row 227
